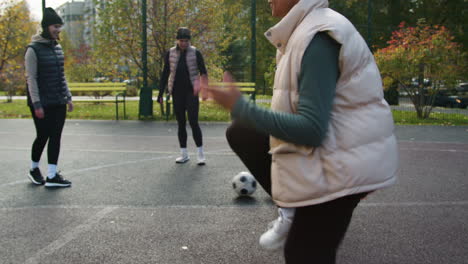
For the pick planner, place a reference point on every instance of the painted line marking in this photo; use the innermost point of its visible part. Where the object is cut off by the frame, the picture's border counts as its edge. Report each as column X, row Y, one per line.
column 8, row 148
column 93, row 168
column 415, row 204
column 67, row 237
column 362, row 204
column 218, row 152
column 435, row 150
column 120, row 151
column 106, row 135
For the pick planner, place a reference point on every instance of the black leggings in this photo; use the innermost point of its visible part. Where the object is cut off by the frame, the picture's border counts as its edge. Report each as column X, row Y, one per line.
column 317, row 230
column 185, row 101
column 48, row 129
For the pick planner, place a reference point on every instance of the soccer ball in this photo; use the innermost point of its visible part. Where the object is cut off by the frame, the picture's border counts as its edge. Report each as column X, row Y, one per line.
column 244, row 183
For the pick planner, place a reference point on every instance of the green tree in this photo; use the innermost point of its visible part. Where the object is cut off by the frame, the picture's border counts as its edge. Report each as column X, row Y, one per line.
column 237, row 38
column 451, row 14
column 386, row 15
column 235, row 43
column 16, row 29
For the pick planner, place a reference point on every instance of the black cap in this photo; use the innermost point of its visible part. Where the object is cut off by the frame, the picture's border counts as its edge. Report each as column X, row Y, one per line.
column 50, row 17
column 183, row 33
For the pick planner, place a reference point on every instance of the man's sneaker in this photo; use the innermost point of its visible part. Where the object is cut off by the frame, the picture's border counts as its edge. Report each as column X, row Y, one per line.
column 278, row 230
column 201, row 159
column 57, row 181
column 182, row 159
column 35, row 176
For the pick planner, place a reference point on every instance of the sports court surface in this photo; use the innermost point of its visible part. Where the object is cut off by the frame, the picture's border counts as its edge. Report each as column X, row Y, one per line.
column 130, row 203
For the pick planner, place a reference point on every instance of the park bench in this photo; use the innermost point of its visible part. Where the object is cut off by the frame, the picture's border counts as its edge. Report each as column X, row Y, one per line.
column 98, row 90
column 247, row 88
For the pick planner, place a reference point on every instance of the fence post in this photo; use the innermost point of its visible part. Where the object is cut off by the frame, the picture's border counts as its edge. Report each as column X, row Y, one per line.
column 146, row 99
column 253, row 47
column 369, row 24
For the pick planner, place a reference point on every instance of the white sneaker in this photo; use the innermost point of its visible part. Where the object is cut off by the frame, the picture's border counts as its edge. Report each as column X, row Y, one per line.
column 201, row 159
column 278, row 230
column 183, row 156
column 182, row 159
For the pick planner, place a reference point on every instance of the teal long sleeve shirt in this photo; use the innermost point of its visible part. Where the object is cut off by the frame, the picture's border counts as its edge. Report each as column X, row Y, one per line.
column 317, row 87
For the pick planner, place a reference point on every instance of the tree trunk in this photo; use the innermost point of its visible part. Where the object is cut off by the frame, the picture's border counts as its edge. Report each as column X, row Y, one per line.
column 421, row 96
column 419, row 111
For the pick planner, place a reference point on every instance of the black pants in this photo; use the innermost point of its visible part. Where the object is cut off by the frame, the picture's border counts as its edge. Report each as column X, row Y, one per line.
column 317, row 230
column 185, row 101
column 49, row 129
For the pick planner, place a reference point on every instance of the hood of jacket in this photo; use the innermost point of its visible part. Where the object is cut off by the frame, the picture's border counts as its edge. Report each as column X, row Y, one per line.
column 288, row 23
column 40, row 39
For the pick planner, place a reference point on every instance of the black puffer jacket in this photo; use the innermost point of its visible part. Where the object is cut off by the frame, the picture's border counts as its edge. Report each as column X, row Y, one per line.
column 50, row 74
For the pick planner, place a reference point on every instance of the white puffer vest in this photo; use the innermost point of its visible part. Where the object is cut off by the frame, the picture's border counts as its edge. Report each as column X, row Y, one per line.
column 359, row 153
column 191, row 57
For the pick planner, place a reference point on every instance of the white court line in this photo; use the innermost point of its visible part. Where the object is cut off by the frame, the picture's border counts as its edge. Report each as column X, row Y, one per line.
column 218, row 152
column 436, row 150
column 103, row 135
column 362, row 204
column 94, row 150
column 93, row 168
column 69, row 236
column 116, row 164
column 432, row 142
column 415, row 204
column 7, row 148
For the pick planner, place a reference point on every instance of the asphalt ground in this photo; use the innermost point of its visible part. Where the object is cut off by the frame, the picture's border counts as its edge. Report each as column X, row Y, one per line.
column 130, row 203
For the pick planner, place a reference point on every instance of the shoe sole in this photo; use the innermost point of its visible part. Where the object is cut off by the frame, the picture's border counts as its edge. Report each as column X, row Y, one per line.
column 201, row 163
column 274, row 247
column 56, row 185
column 34, row 181
column 182, row 161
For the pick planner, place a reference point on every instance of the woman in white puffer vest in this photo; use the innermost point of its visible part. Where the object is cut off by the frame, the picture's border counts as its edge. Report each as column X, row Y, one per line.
column 331, row 139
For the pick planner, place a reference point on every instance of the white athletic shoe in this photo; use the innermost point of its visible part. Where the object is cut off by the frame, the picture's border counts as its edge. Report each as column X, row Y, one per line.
column 182, row 159
column 201, row 159
column 275, row 237
column 183, row 156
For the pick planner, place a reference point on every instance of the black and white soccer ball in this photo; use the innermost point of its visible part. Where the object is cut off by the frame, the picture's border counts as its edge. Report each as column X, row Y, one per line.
column 244, row 183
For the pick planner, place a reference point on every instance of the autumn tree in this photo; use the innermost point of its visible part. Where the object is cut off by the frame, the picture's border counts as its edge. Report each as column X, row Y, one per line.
column 426, row 53
column 118, row 34
column 79, row 66
column 16, row 29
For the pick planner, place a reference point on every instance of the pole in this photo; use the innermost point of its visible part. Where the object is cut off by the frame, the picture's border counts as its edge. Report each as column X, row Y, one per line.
column 253, row 48
column 369, row 24
column 43, row 6
column 146, row 100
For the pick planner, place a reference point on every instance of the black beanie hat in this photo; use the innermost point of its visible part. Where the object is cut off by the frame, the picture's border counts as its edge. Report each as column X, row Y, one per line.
column 183, row 33
column 50, row 17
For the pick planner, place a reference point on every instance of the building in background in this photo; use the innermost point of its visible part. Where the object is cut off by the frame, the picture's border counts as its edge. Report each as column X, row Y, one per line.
column 73, row 15
column 80, row 17
column 90, row 16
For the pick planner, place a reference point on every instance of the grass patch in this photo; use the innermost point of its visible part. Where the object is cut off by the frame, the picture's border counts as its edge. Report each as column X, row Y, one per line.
column 209, row 112
column 443, row 119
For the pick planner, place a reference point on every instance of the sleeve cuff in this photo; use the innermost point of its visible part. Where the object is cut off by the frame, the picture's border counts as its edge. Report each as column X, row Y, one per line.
column 37, row 105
